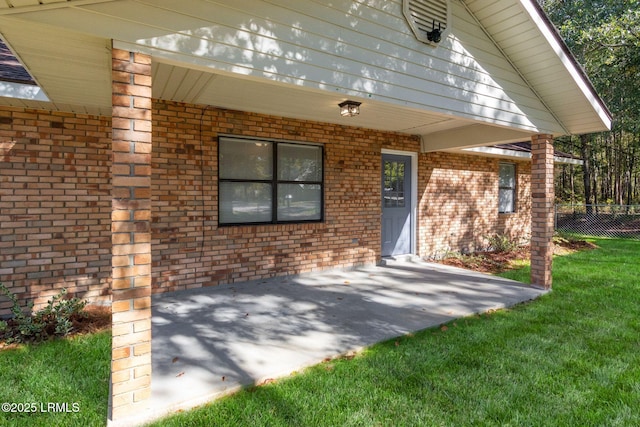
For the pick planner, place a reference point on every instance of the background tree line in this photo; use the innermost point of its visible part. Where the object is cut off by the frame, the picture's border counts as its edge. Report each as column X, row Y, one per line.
column 604, row 36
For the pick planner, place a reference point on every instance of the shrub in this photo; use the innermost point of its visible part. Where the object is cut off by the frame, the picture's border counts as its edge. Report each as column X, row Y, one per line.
column 502, row 243
column 566, row 237
column 55, row 319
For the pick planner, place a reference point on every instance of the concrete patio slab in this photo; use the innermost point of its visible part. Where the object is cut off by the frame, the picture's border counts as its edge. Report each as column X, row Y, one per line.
column 213, row 341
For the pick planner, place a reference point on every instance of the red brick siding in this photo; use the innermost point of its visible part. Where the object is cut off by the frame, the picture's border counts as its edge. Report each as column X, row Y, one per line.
column 458, row 203
column 131, row 232
column 55, row 228
column 542, row 210
column 56, row 203
column 190, row 250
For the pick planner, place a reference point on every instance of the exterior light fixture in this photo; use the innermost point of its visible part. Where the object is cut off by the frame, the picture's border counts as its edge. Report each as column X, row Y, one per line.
column 349, row 108
column 435, row 35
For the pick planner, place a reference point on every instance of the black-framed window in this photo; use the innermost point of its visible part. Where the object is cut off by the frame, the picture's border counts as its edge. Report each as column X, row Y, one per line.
column 269, row 182
column 507, row 188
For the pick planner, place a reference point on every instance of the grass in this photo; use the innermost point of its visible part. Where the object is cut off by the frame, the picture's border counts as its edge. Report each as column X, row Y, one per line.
column 570, row 358
column 73, row 373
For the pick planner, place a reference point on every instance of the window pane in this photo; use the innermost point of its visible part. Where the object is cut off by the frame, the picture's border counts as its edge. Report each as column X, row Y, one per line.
column 299, row 163
column 394, row 190
column 507, row 175
column 241, row 159
column 299, row 202
column 505, row 204
column 244, row 202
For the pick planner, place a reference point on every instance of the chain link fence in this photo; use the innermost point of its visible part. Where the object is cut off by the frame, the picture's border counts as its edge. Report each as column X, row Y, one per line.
column 621, row 221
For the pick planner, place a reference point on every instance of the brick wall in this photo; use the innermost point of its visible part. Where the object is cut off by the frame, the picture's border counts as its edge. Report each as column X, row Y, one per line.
column 55, row 228
column 542, row 199
column 458, row 203
column 190, row 250
column 55, row 178
column 131, row 232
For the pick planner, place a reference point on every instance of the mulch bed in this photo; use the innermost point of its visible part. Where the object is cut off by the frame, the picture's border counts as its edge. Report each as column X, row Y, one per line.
column 95, row 319
column 497, row 262
column 98, row 318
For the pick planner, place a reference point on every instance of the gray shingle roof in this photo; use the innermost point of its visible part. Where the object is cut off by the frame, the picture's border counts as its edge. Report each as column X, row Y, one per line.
column 11, row 69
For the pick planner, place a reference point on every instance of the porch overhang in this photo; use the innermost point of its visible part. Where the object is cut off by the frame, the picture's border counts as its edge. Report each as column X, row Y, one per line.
column 66, row 46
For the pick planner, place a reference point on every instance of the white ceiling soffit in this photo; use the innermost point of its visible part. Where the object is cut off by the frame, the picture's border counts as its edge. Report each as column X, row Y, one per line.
column 175, row 83
column 73, row 69
column 50, row 54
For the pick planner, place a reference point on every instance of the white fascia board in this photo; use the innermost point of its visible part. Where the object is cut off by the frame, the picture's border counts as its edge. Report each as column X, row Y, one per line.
column 506, row 153
column 499, row 152
column 567, row 161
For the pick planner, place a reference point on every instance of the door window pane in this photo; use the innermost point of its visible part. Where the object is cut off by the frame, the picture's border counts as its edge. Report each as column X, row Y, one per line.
column 394, row 184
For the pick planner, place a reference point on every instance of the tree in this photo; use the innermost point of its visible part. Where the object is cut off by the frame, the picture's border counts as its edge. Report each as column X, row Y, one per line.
column 604, row 35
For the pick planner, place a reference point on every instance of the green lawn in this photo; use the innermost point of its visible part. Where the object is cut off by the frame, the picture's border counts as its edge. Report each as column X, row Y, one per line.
column 73, row 373
column 572, row 358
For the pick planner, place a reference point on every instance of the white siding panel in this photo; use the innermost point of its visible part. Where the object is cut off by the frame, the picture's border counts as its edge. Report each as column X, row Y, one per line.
column 363, row 49
column 477, row 45
column 473, row 44
column 100, row 25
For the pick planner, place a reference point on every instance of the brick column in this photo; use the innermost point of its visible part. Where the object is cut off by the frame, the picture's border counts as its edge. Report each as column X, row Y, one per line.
column 131, row 236
column 542, row 210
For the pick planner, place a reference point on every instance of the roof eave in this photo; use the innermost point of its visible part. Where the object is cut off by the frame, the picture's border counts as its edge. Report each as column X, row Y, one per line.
column 555, row 40
column 505, row 153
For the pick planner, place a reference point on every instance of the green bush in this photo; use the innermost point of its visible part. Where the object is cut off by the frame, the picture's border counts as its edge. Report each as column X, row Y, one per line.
column 55, row 319
column 502, row 243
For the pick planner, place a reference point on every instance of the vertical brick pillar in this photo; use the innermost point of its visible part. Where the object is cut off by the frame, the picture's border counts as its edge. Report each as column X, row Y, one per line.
column 542, row 210
column 131, row 236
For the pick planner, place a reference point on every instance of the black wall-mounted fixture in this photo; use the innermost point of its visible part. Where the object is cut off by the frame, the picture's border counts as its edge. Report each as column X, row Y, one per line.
column 435, row 35
column 349, row 108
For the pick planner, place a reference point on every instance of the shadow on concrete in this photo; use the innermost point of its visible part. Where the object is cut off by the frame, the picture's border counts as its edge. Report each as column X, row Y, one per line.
column 213, row 341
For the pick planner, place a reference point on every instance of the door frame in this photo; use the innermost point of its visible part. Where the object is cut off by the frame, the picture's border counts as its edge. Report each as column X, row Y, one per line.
column 414, row 194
